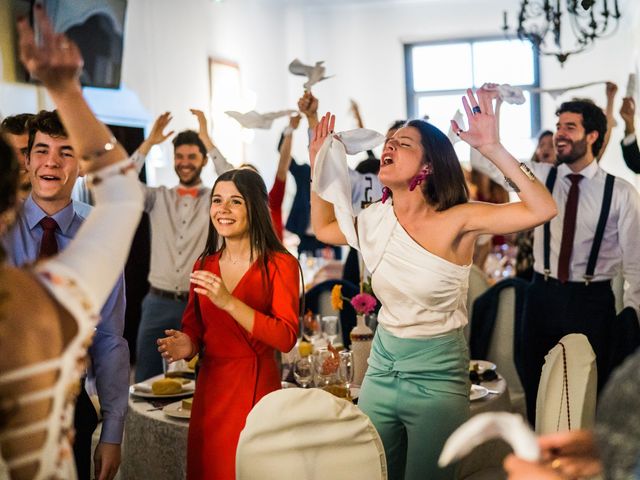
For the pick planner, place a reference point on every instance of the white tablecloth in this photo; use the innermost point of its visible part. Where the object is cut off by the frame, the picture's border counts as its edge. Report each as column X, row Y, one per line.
column 155, row 445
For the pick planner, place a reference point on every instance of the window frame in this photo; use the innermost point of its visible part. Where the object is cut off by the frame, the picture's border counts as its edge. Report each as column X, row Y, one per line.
column 413, row 96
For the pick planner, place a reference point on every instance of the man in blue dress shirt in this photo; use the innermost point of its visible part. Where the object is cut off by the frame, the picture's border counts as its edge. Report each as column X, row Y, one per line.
column 53, row 169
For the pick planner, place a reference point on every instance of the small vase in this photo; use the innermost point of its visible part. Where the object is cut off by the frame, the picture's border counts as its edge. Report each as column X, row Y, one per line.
column 361, row 338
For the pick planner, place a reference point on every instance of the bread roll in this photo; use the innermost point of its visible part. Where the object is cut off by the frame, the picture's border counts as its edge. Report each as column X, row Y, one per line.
column 186, row 403
column 166, row 386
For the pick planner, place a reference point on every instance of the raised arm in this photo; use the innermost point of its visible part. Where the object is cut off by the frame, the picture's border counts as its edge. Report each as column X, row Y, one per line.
column 156, row 135
column 630, row 150
column 611, row 90
column 57, row 63
column 220, row 164
column 323, row 218
column 536, row 205
column 285, row 148
column 308, row 105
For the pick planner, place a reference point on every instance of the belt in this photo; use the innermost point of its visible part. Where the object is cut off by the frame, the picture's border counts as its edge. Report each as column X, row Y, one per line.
column 177, row 296
column 601, row 284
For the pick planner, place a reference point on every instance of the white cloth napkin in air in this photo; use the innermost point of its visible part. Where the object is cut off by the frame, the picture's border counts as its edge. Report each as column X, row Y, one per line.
column 486, row 426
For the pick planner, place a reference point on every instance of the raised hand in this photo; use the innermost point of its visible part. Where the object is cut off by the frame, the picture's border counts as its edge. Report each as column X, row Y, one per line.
column 294, row 120
column 483, row 125
column 56, row 61
column 611, row 89
column 211, row 286
column 175, row 346
column 203, row 131
column 628, row 112
column 157, row 135
column 308, row 105
column 321, row 131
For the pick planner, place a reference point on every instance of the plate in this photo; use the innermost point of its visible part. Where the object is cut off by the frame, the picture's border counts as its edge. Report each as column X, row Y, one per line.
column 143, row 389
column 355, row 392
column 477, row 392
column 483, row 365
column 175, row 410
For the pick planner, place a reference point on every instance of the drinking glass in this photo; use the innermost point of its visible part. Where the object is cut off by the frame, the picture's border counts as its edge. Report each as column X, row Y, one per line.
column 311, row 328
column 346, row 367
column 303, row 371
column 330, row 328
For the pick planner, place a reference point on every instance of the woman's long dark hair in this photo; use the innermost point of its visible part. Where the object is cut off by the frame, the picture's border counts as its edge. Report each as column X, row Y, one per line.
column 262, row 237
column 9, row 174
column 445, row 187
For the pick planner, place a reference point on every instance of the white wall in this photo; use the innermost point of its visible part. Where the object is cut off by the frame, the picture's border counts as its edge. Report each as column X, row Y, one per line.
column 168, row 43
column 363, row 46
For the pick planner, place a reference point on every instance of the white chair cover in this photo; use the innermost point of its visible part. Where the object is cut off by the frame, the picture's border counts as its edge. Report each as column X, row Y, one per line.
column 551, row 403
column 501, row 348
column 308, row 434
column 478, row 284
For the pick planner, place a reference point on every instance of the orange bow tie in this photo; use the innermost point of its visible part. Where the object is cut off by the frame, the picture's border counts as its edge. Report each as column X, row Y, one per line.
column 193, row 191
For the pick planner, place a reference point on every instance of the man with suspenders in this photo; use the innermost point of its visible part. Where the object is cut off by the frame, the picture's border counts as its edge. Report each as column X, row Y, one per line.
column 577, row 254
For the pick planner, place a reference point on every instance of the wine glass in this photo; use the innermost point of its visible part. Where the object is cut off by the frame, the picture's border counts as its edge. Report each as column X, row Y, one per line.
column 346, row 367
column 330, row 328
column 311, row 328
column 303, row 371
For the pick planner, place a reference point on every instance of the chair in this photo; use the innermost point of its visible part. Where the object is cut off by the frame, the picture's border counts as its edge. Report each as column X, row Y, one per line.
column 318, row 300
column 478, row 284
column 308, row 434
column 568, row 385
column 496, row 331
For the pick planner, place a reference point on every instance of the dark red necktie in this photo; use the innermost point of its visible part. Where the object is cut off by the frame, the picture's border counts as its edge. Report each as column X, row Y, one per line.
column 569, row 227
column 193, row 191
column 49, row 244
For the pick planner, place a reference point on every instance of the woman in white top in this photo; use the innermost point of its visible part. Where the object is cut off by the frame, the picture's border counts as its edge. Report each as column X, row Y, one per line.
column 418, row 243
column 48, row 312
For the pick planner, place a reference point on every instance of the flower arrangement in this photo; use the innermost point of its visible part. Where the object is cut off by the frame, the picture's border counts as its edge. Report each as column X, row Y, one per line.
column 363, row 303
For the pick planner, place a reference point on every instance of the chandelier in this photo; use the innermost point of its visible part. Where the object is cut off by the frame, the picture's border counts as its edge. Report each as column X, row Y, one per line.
column 541, row 23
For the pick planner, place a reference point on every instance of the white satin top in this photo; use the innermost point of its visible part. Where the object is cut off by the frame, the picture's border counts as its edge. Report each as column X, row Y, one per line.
column 422, row 294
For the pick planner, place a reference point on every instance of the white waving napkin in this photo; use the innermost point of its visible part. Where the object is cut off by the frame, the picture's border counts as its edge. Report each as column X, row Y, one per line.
column 487, row 426
column 314, row 73
column 459, row 119
column 508, row 93
column 360, row 140
column 631, row 86
column 254, row 119
column 331, row 174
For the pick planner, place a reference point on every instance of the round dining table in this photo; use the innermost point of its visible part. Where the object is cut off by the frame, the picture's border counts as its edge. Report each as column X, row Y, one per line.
column 155, row 444
column 488, row 456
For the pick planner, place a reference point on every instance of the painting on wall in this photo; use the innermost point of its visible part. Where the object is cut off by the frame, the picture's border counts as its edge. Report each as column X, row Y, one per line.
column 96, row 26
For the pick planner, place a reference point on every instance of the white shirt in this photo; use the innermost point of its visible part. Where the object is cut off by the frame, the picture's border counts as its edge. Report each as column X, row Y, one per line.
column 620, row 249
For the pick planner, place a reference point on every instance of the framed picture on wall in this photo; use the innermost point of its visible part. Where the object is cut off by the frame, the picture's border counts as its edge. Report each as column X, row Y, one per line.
column 226, row 93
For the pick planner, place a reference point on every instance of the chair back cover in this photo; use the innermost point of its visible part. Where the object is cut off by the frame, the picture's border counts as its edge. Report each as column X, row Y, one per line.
column 478, row 284
column 308, row 434
column 581, row 378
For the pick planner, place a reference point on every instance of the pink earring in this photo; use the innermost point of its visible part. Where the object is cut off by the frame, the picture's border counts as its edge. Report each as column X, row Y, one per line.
column 420, row 177
column 386, row 193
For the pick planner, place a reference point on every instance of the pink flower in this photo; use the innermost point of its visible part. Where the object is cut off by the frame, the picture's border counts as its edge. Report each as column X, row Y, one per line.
column 363, row 303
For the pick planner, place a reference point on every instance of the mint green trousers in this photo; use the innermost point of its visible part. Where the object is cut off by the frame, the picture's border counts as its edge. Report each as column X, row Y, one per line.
column 416, row 393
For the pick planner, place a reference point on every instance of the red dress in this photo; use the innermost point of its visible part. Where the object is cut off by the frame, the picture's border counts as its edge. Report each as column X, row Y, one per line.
column 238, row 368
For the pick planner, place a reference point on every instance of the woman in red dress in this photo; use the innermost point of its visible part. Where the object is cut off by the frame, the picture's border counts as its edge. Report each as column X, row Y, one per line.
column 243, row 304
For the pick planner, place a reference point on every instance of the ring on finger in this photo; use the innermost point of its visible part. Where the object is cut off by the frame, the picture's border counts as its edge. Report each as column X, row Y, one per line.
column 476, row 110
column 556, row 464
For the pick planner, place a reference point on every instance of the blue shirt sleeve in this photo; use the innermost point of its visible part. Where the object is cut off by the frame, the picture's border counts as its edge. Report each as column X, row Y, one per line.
column 109, row 355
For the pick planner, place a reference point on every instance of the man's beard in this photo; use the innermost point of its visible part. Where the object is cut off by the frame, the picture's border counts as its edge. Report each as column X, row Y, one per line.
column 578, row 150
column 192, row 179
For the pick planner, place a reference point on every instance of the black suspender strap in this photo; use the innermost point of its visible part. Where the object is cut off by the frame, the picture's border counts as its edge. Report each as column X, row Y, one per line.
column 602, row 222
column 551, row 180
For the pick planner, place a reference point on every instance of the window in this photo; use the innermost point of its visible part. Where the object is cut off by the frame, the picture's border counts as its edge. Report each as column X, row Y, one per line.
column 439, row 73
